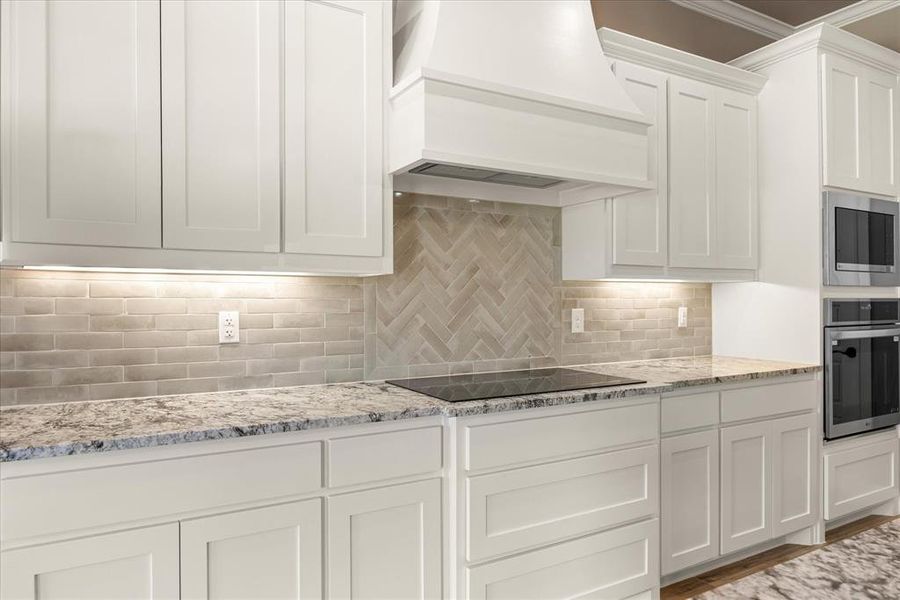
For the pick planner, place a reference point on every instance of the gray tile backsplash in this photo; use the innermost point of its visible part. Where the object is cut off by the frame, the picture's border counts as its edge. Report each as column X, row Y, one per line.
column 476, row 287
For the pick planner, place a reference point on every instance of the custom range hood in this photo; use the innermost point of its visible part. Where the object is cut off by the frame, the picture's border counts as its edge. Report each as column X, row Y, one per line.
column 510, row 100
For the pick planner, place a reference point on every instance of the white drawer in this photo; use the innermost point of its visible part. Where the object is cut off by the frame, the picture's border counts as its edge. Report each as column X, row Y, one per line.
column 689, row 412
column 527, row 507
column 763, row 401
column 547, row 437
column 613, row 564
column 380, row 456
column 66, row 501
column 860, row 477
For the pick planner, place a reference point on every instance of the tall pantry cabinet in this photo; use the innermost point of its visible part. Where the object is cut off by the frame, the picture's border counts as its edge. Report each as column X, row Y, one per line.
column 229, row 134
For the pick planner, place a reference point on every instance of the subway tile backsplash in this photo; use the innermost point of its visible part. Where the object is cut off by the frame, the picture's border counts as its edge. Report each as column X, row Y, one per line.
column 476, row 288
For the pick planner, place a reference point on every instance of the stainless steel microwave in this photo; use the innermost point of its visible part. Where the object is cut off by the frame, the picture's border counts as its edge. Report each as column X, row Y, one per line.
column 861, row 241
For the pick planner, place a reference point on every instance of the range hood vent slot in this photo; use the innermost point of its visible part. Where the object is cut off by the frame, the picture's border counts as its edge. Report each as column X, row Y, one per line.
column 484, row 175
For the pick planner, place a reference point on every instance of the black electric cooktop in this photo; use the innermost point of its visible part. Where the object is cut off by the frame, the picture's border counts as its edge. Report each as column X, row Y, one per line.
column 478, row 386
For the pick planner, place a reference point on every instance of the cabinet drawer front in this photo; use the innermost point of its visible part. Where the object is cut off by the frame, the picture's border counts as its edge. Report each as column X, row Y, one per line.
column 365, row 458
column 30, row 506
column 614, row 564
column 768, row 400
column 860, row 477
column 547, row 437
column 527, row 507
column 689, row 412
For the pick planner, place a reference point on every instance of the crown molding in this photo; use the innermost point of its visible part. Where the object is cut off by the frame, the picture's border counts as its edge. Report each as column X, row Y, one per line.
column 751, row 20
column 823, row 37
column 635, row 50
column 737, row 14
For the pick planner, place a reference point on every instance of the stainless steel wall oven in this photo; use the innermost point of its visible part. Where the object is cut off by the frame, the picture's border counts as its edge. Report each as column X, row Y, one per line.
column 861, row 241
column 862, row 365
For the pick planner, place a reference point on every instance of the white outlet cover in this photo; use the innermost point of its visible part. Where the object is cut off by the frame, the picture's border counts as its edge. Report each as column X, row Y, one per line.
column 577, row 320
column 229, row 327
column 682, row 317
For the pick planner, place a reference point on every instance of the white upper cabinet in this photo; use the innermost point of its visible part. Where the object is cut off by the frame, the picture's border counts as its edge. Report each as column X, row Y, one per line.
column 640, row 221
column 861, row 127
column 82, row 121
column 692, row 173
column 736, row 200
column 221, row 124
column 334, row 127
column 700, row 222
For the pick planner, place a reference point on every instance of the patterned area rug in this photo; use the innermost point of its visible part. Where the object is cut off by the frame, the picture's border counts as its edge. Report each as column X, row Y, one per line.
column 865, row 566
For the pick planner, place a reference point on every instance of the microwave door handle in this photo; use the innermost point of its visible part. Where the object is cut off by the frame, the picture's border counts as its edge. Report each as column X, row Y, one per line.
column 865, row 334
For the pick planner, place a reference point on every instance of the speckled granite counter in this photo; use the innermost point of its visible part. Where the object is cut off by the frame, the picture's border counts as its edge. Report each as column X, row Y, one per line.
column 38, row 431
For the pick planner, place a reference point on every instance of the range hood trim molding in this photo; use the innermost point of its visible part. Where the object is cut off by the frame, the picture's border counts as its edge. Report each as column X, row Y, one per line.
column 427, row 74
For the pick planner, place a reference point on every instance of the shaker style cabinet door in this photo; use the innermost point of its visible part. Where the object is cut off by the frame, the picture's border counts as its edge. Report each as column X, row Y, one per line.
column 793, row 474
column 273, row 552
column 736, row 201
column 140, row 563
column 881, row 111
column 640, row 221
column 746, row 479
column 334, row 126
column 690, row 499
column 386, row 543
column 82, row 121
column 221, row 71
column 861, row 122
column 692, row 174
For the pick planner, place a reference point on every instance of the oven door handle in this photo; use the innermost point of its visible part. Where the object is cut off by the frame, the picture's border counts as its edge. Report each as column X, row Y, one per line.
column 866, row 334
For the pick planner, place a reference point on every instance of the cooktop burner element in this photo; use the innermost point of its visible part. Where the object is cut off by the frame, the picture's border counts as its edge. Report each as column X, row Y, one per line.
column 478, row 386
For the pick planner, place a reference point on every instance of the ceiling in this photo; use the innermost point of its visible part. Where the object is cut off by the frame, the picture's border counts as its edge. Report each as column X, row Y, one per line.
column 795, row 12
column 673, row 23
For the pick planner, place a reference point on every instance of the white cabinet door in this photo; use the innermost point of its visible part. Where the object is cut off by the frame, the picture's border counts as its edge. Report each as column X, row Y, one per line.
column 692, row 174
column 221, row 72
column 640, row 221
column 860, row 121
column 881, row 111
column 860, row 475
column 273, row 552
column 140, row 563
column 690, row 499
column 794, row 474
column 335, row 82
column 736, row 201
column 746, row 477
column 386, row 542
column 84, row 123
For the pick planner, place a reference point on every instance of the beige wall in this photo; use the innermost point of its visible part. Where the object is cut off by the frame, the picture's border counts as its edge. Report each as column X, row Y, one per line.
column 476, row 288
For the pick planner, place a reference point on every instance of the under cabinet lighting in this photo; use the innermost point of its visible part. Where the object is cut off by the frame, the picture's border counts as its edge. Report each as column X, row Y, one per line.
column 174, row 271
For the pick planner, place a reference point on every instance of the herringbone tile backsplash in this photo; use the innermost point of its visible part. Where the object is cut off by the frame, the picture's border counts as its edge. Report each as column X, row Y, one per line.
column 476, row 287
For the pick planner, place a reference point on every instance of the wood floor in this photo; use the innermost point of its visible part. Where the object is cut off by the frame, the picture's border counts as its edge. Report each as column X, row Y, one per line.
column 759, row 562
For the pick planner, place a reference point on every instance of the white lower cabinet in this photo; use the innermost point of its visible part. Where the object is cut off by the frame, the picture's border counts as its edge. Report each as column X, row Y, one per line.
column 140, row 563
column 613, row 564
column 386, row 543
column 689, row 464
column 768, row 480
column 273, row 552
column 861, row 473
column 746, row 518
column 794, row 478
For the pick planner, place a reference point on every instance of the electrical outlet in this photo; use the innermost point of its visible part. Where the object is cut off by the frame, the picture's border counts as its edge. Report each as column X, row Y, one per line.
column 577, row 320
column 682, row 317
column 229, row 327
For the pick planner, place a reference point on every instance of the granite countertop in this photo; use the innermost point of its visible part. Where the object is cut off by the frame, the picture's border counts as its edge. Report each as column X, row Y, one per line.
column 46, row 430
